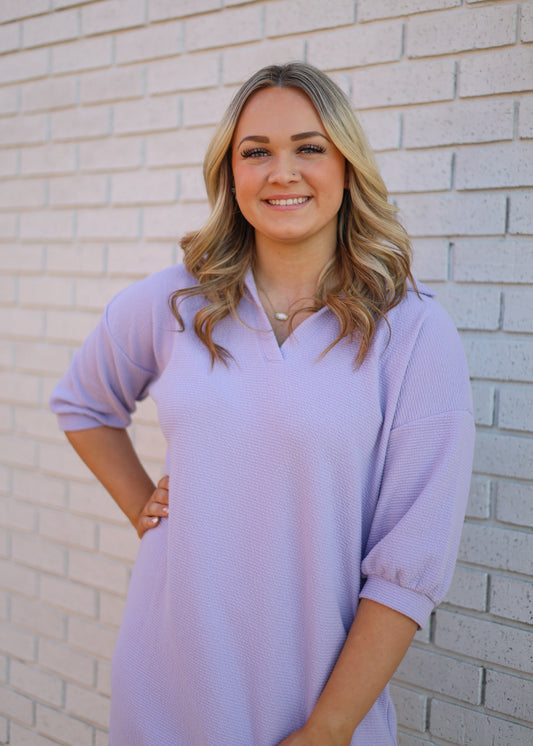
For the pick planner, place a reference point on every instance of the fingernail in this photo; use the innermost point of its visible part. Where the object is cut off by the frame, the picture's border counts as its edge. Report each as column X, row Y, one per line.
column 164, row 509
column 154, row 520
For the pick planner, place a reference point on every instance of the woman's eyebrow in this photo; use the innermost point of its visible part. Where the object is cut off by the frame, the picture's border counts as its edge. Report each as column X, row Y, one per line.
column 299, row 136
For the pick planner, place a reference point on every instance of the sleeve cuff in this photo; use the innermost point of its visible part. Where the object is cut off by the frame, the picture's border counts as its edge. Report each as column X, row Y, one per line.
column 408, row 602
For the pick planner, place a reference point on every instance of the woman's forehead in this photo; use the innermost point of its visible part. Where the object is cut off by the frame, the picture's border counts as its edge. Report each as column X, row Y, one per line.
column 285, row 109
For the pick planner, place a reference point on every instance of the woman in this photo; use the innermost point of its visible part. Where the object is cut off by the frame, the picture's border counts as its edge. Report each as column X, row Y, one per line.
column 317, row 412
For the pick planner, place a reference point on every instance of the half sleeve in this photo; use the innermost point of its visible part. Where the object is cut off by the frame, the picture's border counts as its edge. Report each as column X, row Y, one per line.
column 416, row 527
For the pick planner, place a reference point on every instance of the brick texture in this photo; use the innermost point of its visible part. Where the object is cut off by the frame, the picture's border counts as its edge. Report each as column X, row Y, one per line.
column 106, row 109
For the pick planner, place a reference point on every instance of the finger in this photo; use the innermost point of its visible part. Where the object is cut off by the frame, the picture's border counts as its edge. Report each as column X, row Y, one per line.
column 154, row 508
column 163, row 482
column 160, row 496
column 145, row 523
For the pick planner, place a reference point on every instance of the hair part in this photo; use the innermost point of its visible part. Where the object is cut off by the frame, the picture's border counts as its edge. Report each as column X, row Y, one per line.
column 371, row 269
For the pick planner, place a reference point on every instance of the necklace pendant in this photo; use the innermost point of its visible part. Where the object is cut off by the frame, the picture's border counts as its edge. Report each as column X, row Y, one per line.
column 280, row 316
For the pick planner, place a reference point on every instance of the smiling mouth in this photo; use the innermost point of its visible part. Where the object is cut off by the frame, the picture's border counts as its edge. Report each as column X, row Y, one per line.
column 286, row 202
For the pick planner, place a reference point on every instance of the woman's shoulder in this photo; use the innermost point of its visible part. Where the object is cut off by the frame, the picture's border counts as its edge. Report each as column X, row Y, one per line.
column 420, row 310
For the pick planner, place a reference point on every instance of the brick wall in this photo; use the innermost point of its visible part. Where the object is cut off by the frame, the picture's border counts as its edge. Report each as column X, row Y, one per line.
column 106, row 107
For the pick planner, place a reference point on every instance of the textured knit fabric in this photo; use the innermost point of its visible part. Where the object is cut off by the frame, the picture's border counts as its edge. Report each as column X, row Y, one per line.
column 298, row 485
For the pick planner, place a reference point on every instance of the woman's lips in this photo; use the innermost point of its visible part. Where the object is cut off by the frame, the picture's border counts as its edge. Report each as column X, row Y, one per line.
column 287, row 201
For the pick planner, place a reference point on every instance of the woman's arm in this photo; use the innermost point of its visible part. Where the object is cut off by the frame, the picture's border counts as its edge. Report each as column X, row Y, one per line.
column 377, row 641
column 109, row 454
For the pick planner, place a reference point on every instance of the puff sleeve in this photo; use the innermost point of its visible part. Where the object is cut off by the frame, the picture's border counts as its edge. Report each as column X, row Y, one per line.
column 414, row 535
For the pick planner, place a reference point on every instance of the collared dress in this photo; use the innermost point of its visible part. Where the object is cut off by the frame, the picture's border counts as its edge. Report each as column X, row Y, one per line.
column 299, row 484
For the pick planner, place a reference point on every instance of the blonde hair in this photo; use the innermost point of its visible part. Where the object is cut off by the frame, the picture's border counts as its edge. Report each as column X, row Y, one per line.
column 371, row 268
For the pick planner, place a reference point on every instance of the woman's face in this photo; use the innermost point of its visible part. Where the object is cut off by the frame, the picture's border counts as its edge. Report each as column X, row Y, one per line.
column 289, row 177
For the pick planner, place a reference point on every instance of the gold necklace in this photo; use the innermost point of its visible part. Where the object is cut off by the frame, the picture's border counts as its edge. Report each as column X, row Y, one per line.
column 279, row 315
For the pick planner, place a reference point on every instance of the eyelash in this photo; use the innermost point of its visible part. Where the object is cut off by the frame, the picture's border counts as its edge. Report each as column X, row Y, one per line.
column 259, row 152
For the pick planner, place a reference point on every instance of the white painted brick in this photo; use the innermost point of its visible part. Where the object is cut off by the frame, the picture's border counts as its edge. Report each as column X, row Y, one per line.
column 17, row 514
column 24, row 737
column 95, row 292
column 10, row 37
column 62, row 728
column 143, row 187
column 23, row 130
column 459, row 122
column 60, row 459
column 367, row 10
column 49, row 94
column 27, row 259
column 516, row 407
column 151, row 42
column 460, row 725
column 8, row 227
column 501, row 548
column 50, row 28
column 21, row 322
column 160, row 10
column 21, row 580
column 25, row 65
column 46, row 226
column 47, row 159
column 493, row 259
column 447, row 33
column 17, row 706
column 76, row 124
column 14, row 194
column 67, row 529
column 525, row 117
column 9, row 101
column 185, row 147
column 17, row 451
column 93, row 501
column 205, row 107
column 111, row 609
column 150, row 442
column 36, row 423
column 512, row 455
column 471, row 307
column 468, row 590
column 416, row 171
column 111, row 154
column 83, row 54
column 11, row 9
column 509, row 695
column 442, row 674
column 526, row 21
column 192, row 186
column 98, row 572
column 101, row 738
column 138, row 260
column 87, row 259
column 419, row 82
column 183, row 73
column 68, row 595
column 512, row 599
column 382, row 128
column 112, row 15
column 35, row 616
column 120, row 542
column 499, row 358
column 148, row 115
column 514, row 503
column 110, row 85
column 32, row 551
column 38, row 684
column 453, row 214
column 9, row 162
column 485, row 640
column 16, row 642
column 103, row 681
column 411, row 707
column 20, row 390
column 7, row 290
column 214, row 29
column 489, row 166
column 114, row 223
column 173, row 222
column 501, row 71
column 521, row 213
column 68, row 663
column 430, row 259
column 39, row 488
column 296, row 16
column 67, row 3
column 77, row 191
column 44, row 291
column 87, row 704
column 238, row 64
column 4, row 729
column 91, row 637
column 483, row 396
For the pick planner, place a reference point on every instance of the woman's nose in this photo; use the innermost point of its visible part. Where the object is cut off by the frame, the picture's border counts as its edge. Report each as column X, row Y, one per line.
column 283, row 171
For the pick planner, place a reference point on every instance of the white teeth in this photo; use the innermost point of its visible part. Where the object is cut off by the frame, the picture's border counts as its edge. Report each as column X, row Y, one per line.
column 284, row 202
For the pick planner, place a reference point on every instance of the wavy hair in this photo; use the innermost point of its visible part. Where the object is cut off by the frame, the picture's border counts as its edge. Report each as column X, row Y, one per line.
column 371, row 269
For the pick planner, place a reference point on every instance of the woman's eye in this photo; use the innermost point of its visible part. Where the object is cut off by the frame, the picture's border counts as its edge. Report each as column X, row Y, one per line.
column 254, row 153
column 312, row 149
